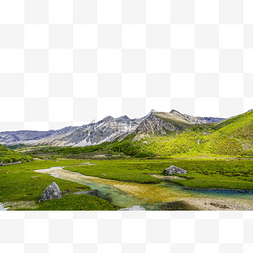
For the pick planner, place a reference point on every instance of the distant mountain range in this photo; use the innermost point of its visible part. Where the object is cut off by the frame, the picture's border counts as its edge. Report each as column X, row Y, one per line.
column 106, row 130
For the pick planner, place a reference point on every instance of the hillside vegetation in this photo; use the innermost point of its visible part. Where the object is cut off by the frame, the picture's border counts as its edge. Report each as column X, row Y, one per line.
column 230, row 138
column 21, row 188
column 7, row 155
column 233, row 137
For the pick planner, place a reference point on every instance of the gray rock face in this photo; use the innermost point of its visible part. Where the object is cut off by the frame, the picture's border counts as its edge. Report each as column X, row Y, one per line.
column 174, row 170
column 156, row 125
column 94, row 192
column 51, row 192
column 133, row 208
column 105, row 130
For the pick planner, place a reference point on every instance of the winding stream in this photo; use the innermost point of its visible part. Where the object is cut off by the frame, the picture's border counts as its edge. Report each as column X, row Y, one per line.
column 126, row 194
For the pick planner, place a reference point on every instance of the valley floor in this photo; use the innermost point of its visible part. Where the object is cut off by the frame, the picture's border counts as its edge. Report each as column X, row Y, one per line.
column 127, row 182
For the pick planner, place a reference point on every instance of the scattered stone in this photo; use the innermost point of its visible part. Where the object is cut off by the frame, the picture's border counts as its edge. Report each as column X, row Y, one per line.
column 174, row 170
column 94, row 192
column 219, row 205
column 199, row 141
column 133, row 208
column 51, row 192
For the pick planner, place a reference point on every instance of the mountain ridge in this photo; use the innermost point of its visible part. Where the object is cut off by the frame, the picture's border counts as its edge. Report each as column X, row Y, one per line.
column 106, row 130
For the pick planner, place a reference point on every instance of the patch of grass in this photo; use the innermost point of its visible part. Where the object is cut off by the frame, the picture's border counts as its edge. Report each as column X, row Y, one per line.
column 233, row 174
column 123, row 170
column 75, row 202
column 202, row 173
column 19, row 183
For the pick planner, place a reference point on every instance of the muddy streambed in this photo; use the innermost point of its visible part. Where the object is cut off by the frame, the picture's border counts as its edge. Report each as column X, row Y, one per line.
column 157, row 196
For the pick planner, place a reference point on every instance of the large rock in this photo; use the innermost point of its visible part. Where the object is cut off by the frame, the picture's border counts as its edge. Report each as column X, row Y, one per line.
column 133, row 208
column 51, row 192
column 174, row 170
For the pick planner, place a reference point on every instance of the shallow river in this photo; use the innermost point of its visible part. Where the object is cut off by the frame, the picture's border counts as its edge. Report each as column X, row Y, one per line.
column 126, row 194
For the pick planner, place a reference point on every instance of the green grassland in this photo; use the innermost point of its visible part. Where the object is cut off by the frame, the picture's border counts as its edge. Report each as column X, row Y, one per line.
column 76, row 203
column 20, row 183
column 202, row 173
column 216, row 174
column 123, row 170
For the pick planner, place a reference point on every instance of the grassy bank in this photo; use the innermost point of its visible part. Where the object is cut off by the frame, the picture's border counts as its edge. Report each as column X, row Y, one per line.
column 131, row 170
column 21, row 187
column 224, row 174
column 20, row 183
column 202, row 173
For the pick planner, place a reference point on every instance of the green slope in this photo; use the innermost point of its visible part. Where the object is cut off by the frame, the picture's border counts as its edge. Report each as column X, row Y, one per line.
column 7, row 155
column 233, row 137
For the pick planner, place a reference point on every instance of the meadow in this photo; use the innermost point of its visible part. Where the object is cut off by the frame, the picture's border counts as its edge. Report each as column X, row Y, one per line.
column 21, row 187
column 202, row 173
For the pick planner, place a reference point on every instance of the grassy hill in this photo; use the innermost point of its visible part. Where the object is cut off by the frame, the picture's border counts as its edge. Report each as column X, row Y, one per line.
column 7, row 155
column 233, row 137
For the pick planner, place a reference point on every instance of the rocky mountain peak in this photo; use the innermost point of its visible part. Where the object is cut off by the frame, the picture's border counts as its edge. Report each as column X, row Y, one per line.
column 124, row 120
column 105, row 130
column 173, row 111
column 107, row 119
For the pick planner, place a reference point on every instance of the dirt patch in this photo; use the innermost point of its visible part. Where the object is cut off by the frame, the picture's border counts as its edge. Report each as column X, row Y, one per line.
column 209, row 204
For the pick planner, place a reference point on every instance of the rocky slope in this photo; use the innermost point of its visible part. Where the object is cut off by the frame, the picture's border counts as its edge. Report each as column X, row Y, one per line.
column 106, row 130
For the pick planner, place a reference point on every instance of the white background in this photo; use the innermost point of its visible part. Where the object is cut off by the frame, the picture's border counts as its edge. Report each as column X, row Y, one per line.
column 65, row 62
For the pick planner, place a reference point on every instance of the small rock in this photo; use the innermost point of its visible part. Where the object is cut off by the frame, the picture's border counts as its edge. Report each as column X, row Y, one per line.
column 199, row 141
column 133, row 208
column 51, row 192
column 174, row 170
